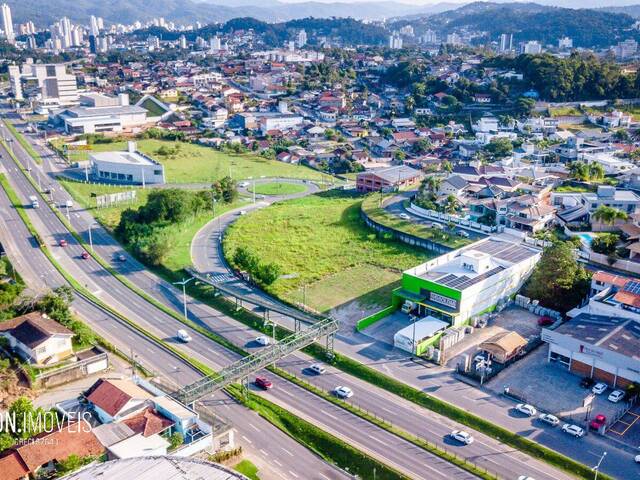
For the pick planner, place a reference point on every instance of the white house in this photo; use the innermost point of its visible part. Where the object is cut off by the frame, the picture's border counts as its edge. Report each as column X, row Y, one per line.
column 131, row 167
column 37, row 338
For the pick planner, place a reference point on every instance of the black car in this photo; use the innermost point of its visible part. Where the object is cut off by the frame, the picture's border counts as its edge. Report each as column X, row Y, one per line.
column 587, row 382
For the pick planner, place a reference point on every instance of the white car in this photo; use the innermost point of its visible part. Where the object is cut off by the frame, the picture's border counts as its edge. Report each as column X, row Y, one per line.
column 616, row 396
column 550, row 419
column 599, row 388
column 242, row 212
column 404, row 216
column 528, row 410
column 637, row 458
column 243, row 184
column 317, row 368
column 263, row 340
column 183, row 336
column 574, row 430
column 343, row 392
column 525, row 477
column 462, row 437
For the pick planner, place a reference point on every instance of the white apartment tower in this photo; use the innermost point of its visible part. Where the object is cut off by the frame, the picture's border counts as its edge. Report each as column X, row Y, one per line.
column 395, row 41
column 7, row 23
column 215, row 44
column 506, row 42
column 302, row 38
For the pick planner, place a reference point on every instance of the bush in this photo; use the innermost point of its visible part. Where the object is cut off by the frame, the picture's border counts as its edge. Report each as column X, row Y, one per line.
column 605, row 243
column 175, row 440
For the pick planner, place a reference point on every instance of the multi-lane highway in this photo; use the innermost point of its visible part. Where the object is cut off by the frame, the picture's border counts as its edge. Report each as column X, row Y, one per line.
column 390, row 449
column 486, row 451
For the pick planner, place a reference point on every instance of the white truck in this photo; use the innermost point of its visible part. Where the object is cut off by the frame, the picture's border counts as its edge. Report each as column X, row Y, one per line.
column 34, row 201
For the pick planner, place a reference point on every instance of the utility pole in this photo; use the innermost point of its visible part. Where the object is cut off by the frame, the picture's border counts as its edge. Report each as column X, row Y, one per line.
column 184, row 294
column 596, row 469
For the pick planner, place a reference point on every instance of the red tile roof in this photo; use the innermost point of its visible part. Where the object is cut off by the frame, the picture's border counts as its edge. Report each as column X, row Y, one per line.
column 148, row 422
column 12, row 466
column 107, row 396
column 611, row 279
column 627, row 298
column 59, row 444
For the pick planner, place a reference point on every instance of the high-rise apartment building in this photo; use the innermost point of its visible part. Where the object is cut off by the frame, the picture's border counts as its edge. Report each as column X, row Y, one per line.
column 7, row 23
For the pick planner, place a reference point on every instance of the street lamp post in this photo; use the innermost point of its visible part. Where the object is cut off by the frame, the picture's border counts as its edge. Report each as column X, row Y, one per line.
column 90, row 236
column 184, row 293
column 414, row 350
column 596, row 469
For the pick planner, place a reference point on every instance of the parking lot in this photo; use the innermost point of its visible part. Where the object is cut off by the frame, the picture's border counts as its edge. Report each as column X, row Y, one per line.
column 550, row 387
column 627, row 428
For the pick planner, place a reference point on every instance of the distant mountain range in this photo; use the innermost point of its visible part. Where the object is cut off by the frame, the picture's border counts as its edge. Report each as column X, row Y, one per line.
column 529, row 21
column 45, row 12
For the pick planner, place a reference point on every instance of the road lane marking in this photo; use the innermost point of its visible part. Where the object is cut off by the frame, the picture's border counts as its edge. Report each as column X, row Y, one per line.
column 287, row 452
column 277, row 462
column 246, row 439
column 377, row 439
column 293, row 473
column 328, row 414
column 254, row 427
column 264, row 453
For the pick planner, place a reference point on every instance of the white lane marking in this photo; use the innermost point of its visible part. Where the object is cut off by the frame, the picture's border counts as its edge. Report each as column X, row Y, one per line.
column 287, row 452
column 377, row 439
column 277, row 462
column 264, row 453
column 293, row 473
column 246, row 439
column 323, row 475
column 254, row 427
column 328, row 414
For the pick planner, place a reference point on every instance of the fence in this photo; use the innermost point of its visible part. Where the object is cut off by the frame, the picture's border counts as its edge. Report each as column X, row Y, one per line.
column 446, row 218
column 371, row 319
column 82, row 368
column 406, row 237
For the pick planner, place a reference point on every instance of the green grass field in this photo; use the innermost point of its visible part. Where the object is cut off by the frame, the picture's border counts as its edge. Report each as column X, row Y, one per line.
column 321, row 242
column 248, row 469
column 278, row 188
column 198, row 164
column 179, row 235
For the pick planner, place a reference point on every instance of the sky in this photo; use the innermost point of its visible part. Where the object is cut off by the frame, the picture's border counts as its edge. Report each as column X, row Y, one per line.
column 560, row 3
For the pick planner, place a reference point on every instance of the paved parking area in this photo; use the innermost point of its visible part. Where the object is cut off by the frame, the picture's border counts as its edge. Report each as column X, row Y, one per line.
column 627, row 428
column 551, row 387
column 385, row 329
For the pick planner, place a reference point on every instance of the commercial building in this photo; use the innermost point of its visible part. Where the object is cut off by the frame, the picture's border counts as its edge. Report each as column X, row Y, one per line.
column 48, row 84
column 131, row 167
column 268, row 121
column 468, row 282
column 99, row 113
column 604, row 348
column 412, row 338
column 387, row 178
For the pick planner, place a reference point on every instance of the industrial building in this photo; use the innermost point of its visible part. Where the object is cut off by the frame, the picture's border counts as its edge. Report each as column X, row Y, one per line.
column 131, row 167
column 99, row 113
column 468, row 282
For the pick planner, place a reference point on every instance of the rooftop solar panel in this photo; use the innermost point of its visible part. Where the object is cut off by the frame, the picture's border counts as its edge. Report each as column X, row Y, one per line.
column 632, row 287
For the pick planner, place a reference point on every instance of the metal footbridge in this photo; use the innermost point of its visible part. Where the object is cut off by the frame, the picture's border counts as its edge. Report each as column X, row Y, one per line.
column 244, row 367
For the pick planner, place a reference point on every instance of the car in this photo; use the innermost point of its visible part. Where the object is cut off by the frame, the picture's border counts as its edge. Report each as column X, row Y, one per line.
column 404, row 216
column 318, row 368
column 183, row 336
column 545, row 321
column 637, row 458
column 462, row 437
column 264, row 383
column 550, row 419
column 528, row 410
column 587, row 382
column 479, row 358
column 122, row 258
column 84, row 255
column 598, row 422
column 437, row 226
column 263, row 340
column 343, row 392
column 525, row 477
column 599, row 388
column 616, row 396
column 242, row 212
column 574, row 430
column 63, row 243
column 243, row 184
column 463, row 234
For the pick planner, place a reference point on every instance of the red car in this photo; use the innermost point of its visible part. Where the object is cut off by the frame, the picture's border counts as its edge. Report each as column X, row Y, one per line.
column 62, row 243
column 263, row 383
column 598, row 421
column 545, row 321
column 84, row 255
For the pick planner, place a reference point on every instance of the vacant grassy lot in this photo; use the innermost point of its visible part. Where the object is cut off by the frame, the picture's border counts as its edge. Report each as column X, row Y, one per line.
column 178, row 235
column 381, row 216
column 190, row 163
column 278, row 188
column 321, row 242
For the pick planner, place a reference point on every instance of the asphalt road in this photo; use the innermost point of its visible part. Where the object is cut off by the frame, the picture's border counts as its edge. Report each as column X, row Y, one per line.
column 438, row 381
column 391, row 450
column 275, row 453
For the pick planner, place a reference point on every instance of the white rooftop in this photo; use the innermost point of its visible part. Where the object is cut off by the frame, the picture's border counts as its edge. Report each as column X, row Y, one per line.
column 156, row 468
column 138, row 446
column 127, row 158
column 425, row 328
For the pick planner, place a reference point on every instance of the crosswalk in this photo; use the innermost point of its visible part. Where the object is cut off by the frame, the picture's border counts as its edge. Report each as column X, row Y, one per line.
column 222, row 278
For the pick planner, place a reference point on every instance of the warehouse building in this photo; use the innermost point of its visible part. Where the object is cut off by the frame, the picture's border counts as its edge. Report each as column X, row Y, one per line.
column 605, row 348
column 468, row 282
column 130, row 167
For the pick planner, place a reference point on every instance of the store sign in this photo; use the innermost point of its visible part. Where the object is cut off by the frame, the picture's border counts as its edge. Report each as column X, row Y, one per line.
column 441, row 299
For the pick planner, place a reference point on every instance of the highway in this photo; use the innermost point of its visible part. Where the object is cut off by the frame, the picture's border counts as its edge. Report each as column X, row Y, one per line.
column 356, row 431
column 438, row 381
column 271, row 450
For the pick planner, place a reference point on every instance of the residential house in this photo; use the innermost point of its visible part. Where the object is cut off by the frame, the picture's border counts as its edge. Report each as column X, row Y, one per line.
column 387, row 178
column 38, row 338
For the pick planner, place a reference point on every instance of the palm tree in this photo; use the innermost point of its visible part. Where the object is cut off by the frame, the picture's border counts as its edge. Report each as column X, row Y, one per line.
column 432, row 184
column 451, row 205
column 596, row 171
column 608, row 215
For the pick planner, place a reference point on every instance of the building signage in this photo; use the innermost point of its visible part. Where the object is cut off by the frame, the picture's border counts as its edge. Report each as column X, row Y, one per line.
column 441, row 299
column 110, row 199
